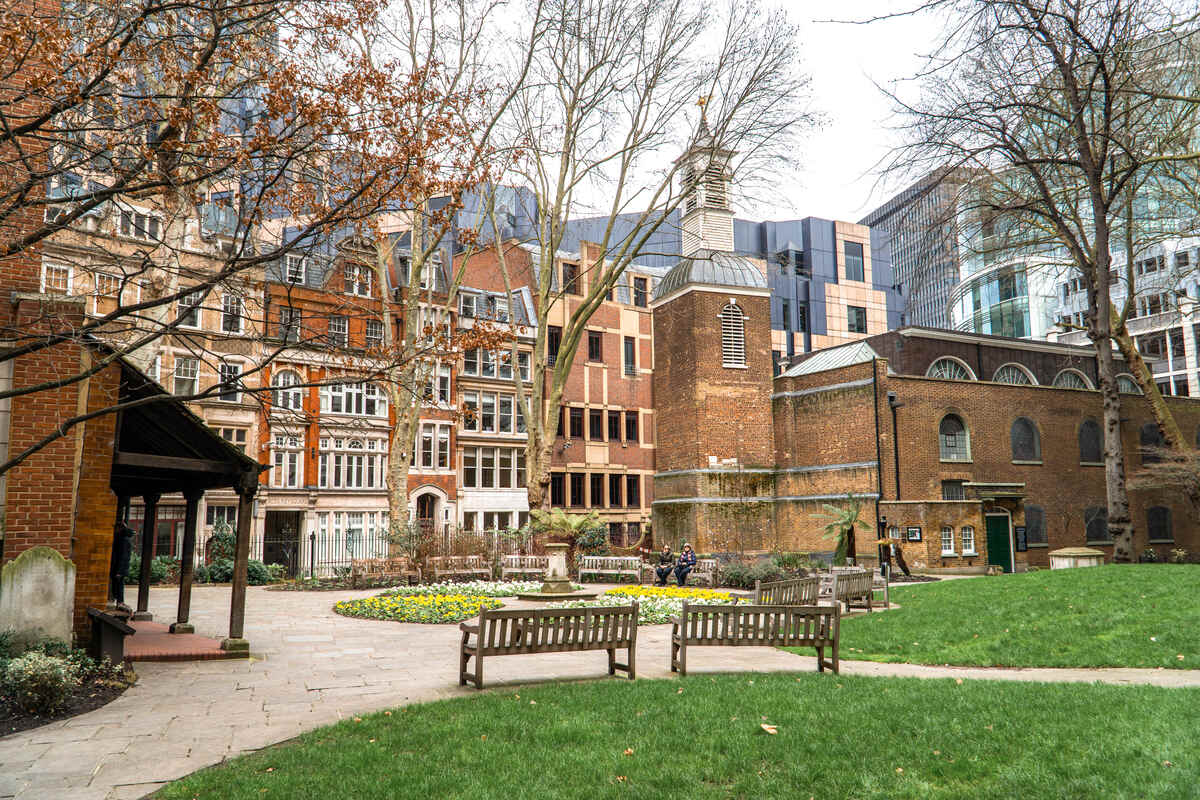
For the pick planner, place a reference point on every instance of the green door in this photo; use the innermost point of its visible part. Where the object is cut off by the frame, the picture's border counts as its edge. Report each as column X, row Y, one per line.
column 998, row 542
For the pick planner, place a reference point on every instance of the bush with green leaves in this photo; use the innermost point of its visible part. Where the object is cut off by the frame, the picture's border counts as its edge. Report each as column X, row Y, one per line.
column 1149, row 556
column 38, row 683
column 200, row 574
column 221, row 545
column 793, row 561
column 257, row 573
column 162, row 569
column 742, row 575
column 221, row 570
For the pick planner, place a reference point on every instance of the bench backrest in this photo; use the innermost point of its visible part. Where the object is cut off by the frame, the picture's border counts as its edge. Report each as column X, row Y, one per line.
column 446, row 563
column 526, row 562
column 759, row 624
column 611, row 563
column 706, row 565
column 792, row 592
column 542, row 629
column 851, row 584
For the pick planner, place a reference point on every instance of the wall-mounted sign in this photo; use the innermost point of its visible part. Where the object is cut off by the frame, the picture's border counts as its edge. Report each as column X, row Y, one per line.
column 913, row 534
column 1022, row 542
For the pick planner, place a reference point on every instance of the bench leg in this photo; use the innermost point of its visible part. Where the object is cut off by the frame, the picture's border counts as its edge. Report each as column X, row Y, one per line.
column 820, row 659
column 478, row 671
column 463, row 658
column 836, row 669
column 612, row 661
column 632, row 661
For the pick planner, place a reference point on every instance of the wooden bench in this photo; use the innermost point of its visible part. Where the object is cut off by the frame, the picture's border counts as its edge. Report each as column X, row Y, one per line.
column 792, row 592
column 850, row 586
column 108, row 636
column 616, row 566
column 757, row 626
column 523, row 565
column 380, row 570
column 706, row 570
column 550, row 630
column 473, row 567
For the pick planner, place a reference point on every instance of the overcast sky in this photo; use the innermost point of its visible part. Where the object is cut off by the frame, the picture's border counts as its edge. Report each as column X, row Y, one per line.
column 838, row 174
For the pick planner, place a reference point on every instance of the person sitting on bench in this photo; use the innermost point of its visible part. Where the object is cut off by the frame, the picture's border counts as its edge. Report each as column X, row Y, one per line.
column 666, row 563
column 687, row 560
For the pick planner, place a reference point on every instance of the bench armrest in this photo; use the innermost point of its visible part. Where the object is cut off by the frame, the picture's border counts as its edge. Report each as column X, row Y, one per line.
column 676, row 621
column 465, row 628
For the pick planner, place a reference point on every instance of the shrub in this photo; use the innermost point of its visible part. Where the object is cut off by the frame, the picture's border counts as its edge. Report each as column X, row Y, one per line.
column 277, row 571
column 221, row 570
column 794, row 561
column 257, row 573
column 37, row 683
column 742, row 575
column 221, row 546
column 1149, row 556
column 162, row 568
column 201, row 574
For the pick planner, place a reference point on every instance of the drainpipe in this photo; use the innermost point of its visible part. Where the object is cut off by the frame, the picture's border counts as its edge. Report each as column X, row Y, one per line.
column 894, row 404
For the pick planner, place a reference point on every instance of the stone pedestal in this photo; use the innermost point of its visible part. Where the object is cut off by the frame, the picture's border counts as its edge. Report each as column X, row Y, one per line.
column 557, row 580
column 1071, row 557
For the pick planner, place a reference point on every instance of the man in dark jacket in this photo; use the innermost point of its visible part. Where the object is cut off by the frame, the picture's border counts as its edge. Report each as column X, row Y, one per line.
column 666, row 563
column 122, row 550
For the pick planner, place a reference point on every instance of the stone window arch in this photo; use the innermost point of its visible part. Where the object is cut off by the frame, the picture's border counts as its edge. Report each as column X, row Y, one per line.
column 1015, row 374
column 950, row 368
column 954, row 441
column 1127, row 385
column 286, row 392
column 1072, row 379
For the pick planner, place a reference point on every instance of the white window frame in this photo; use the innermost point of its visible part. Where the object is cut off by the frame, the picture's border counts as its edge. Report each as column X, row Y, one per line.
column 937, row 371
column 287, row 461
column 295, row 268
column 733, row 336
column 70, row 274
column 285, row 393
column 194, row 302
column 948, row 541
column 1087, row 383
column 1030, row 380
column 967, row 536
column 194, row 377
column 233, row 307
column 234, row 395
column 373, row 339
column 341, row 336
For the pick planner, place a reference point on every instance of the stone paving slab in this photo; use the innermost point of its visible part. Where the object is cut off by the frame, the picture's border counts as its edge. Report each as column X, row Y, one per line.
column 310, row 667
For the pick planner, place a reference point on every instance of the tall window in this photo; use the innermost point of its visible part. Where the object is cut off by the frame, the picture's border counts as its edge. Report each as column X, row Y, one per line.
column 630, row 356
column 558, row 491
column 640, row 293
column 56, row 279
column 576, row 423
column 553, row 342
column 286, row 394
column 631, row 426
column 1090, row 449
column 357, row 279
column 339, row 331
column 968, row 540
column 293, row 269
column 953, row 440
column 856, row 319
column 286, row 464
column 633, row 490
column 1150, row 437
column 733, row 336
column 1158, row 524
column 1026, row 444
column 230, row 382
column 1035, row 525
column 577, row 489
column 596, row 489
column 231, row 314
column 596, row 425
column 1095, row 521
column 595, row 346
column 189, row 310
column 614, row 426
column 948, row 541
column 853, row 252
column 571, row 278
column 614, row 490
column 187, row 373
column 289, row 323
column 374, row 333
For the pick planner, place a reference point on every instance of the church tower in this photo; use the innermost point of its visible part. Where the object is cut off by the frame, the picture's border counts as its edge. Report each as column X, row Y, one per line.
column 712, row 375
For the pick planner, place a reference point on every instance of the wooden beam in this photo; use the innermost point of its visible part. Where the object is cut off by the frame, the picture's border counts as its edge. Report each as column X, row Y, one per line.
column 150, row 461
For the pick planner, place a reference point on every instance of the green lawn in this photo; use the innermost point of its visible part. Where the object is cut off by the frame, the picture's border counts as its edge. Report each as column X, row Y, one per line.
column 701, row 737
column 1144, row 615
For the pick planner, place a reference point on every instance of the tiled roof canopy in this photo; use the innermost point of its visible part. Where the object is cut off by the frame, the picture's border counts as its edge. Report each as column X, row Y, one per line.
column 711, row 268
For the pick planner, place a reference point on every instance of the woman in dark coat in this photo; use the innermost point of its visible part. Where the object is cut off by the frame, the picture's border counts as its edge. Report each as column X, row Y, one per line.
column 687, row 560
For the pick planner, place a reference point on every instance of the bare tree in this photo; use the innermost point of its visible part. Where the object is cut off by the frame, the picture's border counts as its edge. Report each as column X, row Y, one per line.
column 1056, row 108
column 605, row 112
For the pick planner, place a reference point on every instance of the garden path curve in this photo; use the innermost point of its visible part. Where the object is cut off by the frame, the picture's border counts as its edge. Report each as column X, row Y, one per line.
column 313, row 667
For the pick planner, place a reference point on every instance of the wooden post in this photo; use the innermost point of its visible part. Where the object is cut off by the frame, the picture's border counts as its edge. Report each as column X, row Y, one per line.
column 237, row 602
column 149, row 531
column 186, row 562
column 122, row 516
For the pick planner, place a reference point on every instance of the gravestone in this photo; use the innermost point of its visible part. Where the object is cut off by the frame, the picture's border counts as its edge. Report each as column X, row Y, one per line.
column 37, row 594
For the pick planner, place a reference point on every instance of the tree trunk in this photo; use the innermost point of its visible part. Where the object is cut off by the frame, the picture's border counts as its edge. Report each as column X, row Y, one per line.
column 1158, row 406
column 900, row 560
column 851, row 551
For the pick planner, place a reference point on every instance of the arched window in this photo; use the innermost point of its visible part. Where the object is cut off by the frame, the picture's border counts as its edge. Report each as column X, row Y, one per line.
column 1014, row 374
column 733, row 336
column 1150, row 437
column 1026, row 443
column 953, row 441
column 286, row 394
column 1035, row 525
column 1091, row 451
column 1158, row 524
column 1072, row 379
column 1095, row 520
column 1127, row 385
column 950, row 368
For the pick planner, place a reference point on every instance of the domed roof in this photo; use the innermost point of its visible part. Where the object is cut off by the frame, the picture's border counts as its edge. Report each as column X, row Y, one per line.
column 711, row 268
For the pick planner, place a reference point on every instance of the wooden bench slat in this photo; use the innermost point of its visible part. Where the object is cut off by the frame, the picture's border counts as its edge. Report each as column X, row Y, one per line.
column 755, row 625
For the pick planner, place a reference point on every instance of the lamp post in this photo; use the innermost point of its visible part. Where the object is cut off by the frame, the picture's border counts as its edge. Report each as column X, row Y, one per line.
column 885, row 550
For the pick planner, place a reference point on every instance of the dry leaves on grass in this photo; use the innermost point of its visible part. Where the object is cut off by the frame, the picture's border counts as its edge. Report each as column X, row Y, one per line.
column 769, row 728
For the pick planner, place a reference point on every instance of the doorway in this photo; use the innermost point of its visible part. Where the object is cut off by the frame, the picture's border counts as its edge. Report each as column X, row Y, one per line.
column 999, row 541
column 426, row 509
column 281, row 540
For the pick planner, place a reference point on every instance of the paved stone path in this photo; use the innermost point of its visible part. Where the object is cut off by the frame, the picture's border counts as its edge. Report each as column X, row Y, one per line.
column 312, row 667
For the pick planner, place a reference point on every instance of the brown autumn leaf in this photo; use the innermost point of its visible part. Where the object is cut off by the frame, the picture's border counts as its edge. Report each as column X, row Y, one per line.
column 628, row 751
column 769, row 728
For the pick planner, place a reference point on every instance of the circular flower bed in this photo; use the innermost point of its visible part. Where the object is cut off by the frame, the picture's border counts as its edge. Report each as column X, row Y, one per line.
column 474, row 588
column 656, row 604
column 426, row 608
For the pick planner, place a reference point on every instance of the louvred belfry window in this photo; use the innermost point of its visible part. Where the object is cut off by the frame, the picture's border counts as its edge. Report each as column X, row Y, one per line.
column 733, row 336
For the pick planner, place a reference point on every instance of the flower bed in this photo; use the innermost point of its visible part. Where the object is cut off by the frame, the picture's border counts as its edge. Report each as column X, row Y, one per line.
column 424, row 608
column 656, row 604
column 476, row 588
